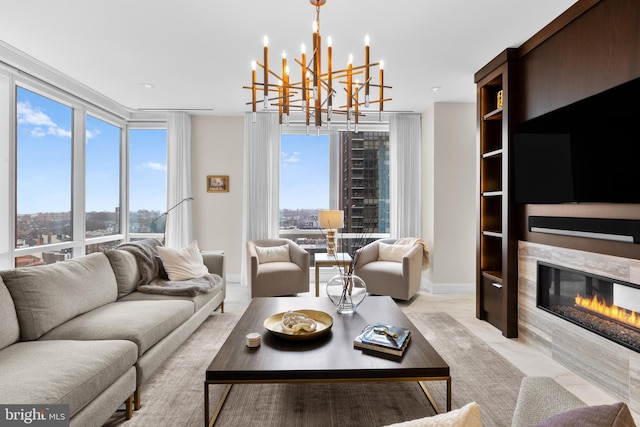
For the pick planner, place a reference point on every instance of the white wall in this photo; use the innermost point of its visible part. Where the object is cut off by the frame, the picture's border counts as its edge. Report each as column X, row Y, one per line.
column 449, row 187
column 217, row 149
column 448, row 200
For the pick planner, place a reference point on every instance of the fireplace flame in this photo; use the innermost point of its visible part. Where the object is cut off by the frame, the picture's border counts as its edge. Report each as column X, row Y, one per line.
column 612, row 311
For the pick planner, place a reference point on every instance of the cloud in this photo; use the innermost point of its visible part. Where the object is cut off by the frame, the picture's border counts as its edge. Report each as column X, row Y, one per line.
column 37, row 132
column 92, row 133
column 154, row 166
column 38, row 122
column 291, row 158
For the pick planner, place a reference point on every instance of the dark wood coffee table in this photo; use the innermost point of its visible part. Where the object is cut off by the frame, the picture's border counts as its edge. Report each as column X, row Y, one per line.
column 328, row 358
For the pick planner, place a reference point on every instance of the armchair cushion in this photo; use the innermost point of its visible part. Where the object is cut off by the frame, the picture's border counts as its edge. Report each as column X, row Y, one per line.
column 391, row 252
column 273, row 254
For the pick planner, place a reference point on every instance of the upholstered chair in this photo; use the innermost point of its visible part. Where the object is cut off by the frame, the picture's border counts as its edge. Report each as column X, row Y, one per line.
column 277, row 267
column 388, row 269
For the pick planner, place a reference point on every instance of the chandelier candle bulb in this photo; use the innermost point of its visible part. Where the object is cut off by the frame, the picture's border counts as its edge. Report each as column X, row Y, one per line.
column 286, row 94
column 329, row 79
column 253, row 89
column 266, row 72
column 283, row 96
column 317, row 60
column 304, row 75
column 284, row 62
column 366, row 71
column 349, row 84
column 306, row 104
column 280, row 90
column 381, row 87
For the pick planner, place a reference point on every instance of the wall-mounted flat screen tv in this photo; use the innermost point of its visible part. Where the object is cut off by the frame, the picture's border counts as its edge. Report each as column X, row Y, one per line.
column 587, row 152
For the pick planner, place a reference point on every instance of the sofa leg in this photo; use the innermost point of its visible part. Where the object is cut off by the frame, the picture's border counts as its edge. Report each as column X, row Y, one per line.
column 222, row 307
column 129, row 408
column 137, row 403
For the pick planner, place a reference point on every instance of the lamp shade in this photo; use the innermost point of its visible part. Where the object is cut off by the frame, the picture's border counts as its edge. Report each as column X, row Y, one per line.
column 330, row 219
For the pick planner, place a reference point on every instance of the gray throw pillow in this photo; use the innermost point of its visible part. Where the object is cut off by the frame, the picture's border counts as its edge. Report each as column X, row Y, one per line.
column 614, row 415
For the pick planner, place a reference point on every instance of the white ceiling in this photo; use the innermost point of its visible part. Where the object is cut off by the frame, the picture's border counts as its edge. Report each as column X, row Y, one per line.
column 197, row 53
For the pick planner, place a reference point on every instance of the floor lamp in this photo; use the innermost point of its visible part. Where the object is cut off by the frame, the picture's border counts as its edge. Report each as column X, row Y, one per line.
column 331, row 220
column 165, row 214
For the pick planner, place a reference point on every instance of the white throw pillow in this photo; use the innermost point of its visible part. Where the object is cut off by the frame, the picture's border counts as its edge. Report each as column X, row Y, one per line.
column 390, row 252
column 467, row 416
column 273, row 254
column 183, row 264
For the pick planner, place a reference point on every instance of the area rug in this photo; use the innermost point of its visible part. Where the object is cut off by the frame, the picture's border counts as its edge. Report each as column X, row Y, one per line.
column 174, row 395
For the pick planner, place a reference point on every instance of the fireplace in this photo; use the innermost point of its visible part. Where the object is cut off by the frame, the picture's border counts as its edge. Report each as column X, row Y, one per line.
column 605, row 306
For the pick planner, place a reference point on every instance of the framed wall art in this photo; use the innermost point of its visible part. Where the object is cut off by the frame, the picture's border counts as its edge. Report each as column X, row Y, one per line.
column 217, row 183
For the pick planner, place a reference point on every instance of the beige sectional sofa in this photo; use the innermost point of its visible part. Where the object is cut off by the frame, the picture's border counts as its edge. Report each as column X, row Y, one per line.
column 79, row 333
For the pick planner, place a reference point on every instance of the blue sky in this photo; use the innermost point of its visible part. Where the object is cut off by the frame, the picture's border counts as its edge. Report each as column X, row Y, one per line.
column 44, row 155
column 304, row 172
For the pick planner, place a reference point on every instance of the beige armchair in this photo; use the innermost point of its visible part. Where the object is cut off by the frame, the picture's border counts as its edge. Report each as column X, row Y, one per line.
column 393, row 271
column 277, row 267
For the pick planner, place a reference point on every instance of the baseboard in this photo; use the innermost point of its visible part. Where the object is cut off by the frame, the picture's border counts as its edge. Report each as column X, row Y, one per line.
column 448, row 288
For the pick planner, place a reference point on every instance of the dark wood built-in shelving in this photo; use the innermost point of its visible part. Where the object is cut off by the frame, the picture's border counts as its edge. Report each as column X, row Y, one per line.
column 569, row 60
column 496, row 277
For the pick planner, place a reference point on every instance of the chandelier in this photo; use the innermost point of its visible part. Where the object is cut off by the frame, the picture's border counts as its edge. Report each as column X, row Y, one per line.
column 316, row 93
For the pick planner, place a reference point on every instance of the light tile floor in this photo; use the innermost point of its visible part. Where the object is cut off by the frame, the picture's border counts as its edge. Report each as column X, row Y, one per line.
column 527, row 358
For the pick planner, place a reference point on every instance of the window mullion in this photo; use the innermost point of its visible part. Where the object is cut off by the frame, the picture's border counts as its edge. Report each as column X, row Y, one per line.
column 78, row 180
column 7, row 191
column 335, row 173
column 124, row 183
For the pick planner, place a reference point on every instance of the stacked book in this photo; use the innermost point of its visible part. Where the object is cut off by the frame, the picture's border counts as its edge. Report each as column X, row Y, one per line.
column 383, row 338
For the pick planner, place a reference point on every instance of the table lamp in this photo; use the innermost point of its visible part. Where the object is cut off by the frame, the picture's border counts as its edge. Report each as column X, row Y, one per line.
column 330, row 220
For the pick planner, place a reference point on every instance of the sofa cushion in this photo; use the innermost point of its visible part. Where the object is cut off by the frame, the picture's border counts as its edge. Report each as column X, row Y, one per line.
column 142, row 322
column 392, row 252
column 10, row 330
column 183, row 264
column 467, row 416
column 198, row 301
column 48, row 295
column 273, row 254
column 62, row 372
column 125, row 268
column 614, row 415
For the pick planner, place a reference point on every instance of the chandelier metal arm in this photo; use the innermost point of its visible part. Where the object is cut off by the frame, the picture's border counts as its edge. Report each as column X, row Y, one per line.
column 315, row 92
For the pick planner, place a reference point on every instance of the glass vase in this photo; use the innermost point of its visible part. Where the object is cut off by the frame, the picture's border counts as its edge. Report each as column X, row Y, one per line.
column 346, row 292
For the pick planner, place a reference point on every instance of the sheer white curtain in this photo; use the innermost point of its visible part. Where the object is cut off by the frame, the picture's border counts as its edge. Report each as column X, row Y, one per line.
column 260, row 217
column 178, row 229
column 405, row 176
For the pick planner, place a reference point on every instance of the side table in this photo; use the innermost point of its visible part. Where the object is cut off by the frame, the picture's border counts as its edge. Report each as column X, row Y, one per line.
column 325, row 260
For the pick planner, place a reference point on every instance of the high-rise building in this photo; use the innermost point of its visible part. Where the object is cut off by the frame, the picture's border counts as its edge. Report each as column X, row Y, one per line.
column 364, row 192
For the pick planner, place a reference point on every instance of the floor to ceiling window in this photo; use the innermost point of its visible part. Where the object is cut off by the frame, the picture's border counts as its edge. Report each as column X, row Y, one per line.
column 44, row 156
column 304, row 187
column 352, row 176
column 71, row 163
column 147, row 181
column 102, row 184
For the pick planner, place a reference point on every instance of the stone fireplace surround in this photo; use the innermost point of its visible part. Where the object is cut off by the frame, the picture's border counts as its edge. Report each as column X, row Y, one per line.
column 611, row 366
